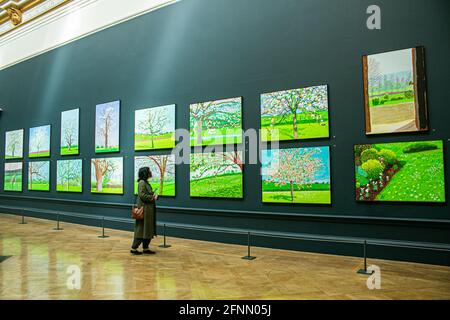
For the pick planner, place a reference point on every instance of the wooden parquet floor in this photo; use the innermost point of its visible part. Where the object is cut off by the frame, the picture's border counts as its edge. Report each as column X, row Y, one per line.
column 190, row 269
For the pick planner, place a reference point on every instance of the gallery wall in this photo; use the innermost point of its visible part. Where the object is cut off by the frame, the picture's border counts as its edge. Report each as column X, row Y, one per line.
column 198, row 50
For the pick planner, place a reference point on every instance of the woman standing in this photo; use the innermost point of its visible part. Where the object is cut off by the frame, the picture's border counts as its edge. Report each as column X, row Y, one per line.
column 145, row 229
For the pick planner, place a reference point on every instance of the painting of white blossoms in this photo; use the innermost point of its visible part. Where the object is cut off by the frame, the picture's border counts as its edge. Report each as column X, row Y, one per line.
column 39, row 145
column 39, row 176
column 107, row 175
column 70, row 126
column 69, row 175
column 296, row 175
column 107, row 127
column 14, row 144
column 163, row 173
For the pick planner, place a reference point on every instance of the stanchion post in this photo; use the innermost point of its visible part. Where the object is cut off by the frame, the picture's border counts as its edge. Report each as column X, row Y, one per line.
column 23, row 217
column 57, row 223
column 364, row 271
column 103, row 229
column 248, row 256
column 164, row 245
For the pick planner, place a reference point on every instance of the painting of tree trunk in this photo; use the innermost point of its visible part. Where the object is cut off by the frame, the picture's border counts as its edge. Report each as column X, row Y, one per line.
column 69, row 175
column 13, row 176
column 39, row 176
column 14, row 144
column 70, row 124
column 39, row 145
column 107, row 175
column 163, row 173
column 107, row 127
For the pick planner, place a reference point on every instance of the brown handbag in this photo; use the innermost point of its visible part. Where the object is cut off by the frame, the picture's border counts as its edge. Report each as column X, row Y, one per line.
column 137, row 213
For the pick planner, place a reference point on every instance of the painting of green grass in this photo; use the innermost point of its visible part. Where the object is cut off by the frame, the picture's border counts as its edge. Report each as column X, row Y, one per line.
column 154, row 128
column 13, row 176
column 296, row 175
column 39, row 144
column 14, row 144
column 402, row 171
column 69, row 176
column 163, row 173
column 216, row 122
column 295, row 114
column 70, row 127
column 216, row 175
column 39, row 176
column 107, row 127
column 107, row 175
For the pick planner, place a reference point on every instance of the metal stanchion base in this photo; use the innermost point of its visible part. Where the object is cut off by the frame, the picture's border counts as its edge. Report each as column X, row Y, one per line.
column 58, row 229
column 103, row 236
column 164, row 246
column 249, row 258
column 23, row 222
column 362, row 271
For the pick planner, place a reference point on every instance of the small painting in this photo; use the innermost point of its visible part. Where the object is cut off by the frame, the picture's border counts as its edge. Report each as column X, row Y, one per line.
column 13, row 176
column 14, row 144
column 163, row 173
column 70, row 127
column 39, row 176
column 107, row 175
column 69, row 175
column 39, row 145
column 107, row 127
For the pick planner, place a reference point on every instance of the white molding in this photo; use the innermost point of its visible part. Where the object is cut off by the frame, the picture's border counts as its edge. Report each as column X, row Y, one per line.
column 77, row 19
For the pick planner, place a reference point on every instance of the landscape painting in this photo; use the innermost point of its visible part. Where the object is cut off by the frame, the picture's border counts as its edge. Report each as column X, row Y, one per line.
column 70, row 127
column 39, row 176
column 295, row 114
column 216, row 122
column 216, row 175
column 14, row 144
column 154, row 128
column 39, row 145
column 107, row 127
column 107, row 175
column 296, row 175
column 163, row 173
column 69, row 175
column 402, row 171
column 395, row 91
column 13, row 176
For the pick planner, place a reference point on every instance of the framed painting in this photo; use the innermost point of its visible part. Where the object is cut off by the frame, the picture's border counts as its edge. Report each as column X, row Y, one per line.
column 163, row 173
column 39, row 143
column 70, row 127
column 107, row 127
column 107, row 175
column 69, row 175
column 13, row 176
column 14, row 144
column 39, row 176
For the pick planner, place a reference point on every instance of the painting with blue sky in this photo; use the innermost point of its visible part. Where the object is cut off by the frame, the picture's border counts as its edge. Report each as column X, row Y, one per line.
column 39, row 145
column 107, row 127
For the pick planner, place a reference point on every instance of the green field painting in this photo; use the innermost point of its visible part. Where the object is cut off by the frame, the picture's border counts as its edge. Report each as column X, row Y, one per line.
column 154, row 128
column 70, row 127
column 39, row 143
column 163, row 173
column 216, row 122
column 295, row 114
column 69, row 176
column 39, row 176
column 13, row 176
column 402, row 171
column 107, row 175
column 296, row 175
column 107, row 127
column 216, row 175
column 14, row 144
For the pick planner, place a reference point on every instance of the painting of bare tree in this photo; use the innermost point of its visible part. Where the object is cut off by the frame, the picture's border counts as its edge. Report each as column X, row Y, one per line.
column 69, row 175
column 39, row 176
column 13, row 176
column 216, row 122
column 154, row 128
column 107, row 175
column 70, row 126
column 163, row 173
column 39, row 145
column 14, row 144
column 107, row 127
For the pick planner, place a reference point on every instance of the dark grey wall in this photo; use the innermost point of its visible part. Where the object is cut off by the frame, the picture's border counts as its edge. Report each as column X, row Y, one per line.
column 198, row 50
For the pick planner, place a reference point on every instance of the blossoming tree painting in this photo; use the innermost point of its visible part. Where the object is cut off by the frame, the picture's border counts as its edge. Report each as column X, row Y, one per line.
column 216, row 175
column 395, row 91
column 69, row 175
column 297, row 175
column 402, row 171
column 107, row 175
column 13, row 176
column 295, row 114
column 39, row 176
column 163, row 173
column 70, row 125
column 107, row 127
column 14, row 144
column 216, row 122
column 39, row 145
column 154, row 128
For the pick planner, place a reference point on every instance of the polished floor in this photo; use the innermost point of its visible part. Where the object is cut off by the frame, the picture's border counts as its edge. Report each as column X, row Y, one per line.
column 41, row 257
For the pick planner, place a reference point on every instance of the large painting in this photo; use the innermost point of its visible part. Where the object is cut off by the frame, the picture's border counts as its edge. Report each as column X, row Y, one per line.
column 69, row 175
column 39, row 176
column 295, row 114
column 216, row 122
column 216, row 175
column 13, row 176
column 402, row 171
column 14, row 144
column 395, row 91
column 296, row 175
column 39, row 145
column 163, row 173
column 154, row 128
column 107, row 127
column 107, row 175
column 70, row 127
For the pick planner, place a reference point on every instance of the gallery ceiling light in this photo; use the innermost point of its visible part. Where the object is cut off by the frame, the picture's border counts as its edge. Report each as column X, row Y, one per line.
column 15, row 13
